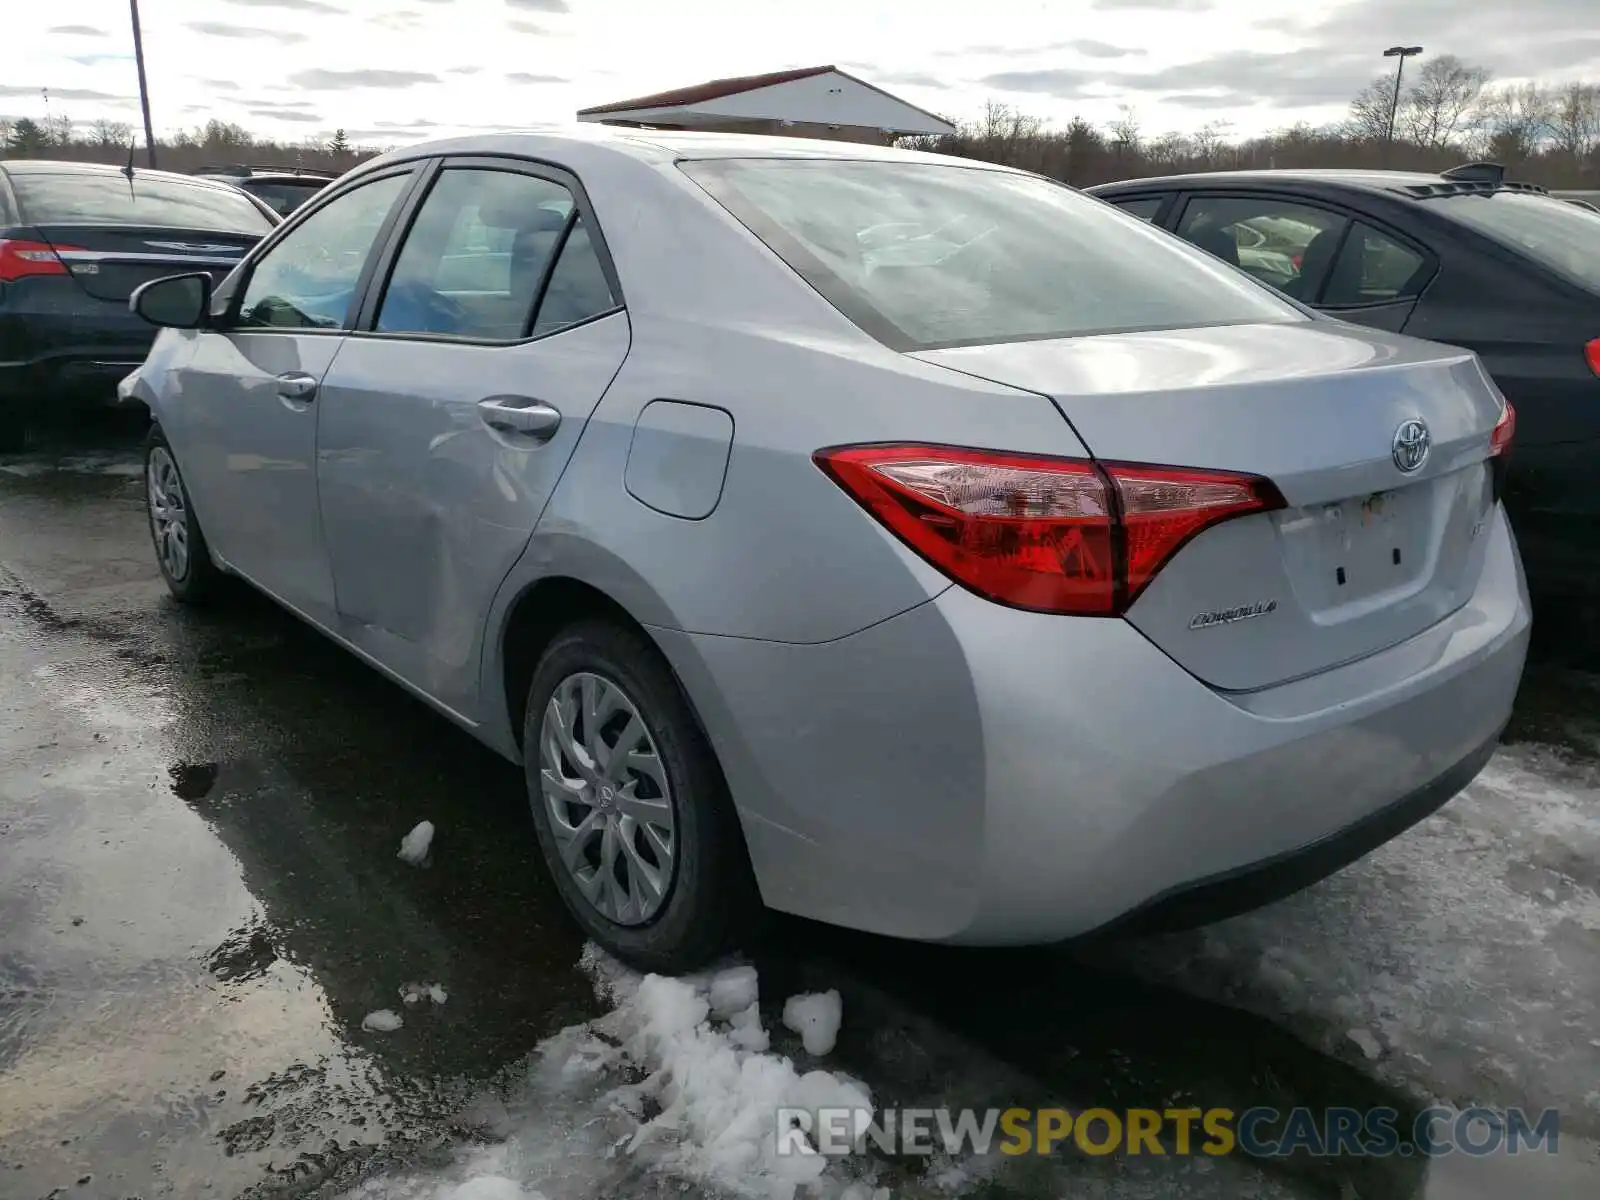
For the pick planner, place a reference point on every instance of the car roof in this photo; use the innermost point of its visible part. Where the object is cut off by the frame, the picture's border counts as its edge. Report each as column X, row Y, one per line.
column 662, row 146
column 50, row 166
column 1406, row 184
column 310, row 178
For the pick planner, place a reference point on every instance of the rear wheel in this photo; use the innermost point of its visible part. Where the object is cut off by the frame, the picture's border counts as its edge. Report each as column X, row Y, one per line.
column 629, row 804
column 181, row 550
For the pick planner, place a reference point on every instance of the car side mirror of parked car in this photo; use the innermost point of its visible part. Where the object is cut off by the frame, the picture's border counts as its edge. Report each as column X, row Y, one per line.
column 174, row 302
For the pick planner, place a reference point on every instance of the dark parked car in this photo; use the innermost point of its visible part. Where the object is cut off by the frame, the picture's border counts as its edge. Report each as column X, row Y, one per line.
column 75, row 240
column 284, row 189
column 1466, row 258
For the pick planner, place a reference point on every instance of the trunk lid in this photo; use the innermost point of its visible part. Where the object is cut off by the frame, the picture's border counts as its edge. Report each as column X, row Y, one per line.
column 1365, row 555
column 110, row 262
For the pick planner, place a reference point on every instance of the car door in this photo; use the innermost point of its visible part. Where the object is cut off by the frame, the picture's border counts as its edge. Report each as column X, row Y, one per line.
column 1335, row 260
column 446, row 420
column 243, row 417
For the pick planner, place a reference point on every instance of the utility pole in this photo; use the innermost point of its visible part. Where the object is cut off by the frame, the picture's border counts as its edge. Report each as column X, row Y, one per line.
column 144, row 88
column 1402, row 53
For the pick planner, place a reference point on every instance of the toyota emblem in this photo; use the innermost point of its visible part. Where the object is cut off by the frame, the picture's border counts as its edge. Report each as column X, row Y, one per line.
column 1411, row 445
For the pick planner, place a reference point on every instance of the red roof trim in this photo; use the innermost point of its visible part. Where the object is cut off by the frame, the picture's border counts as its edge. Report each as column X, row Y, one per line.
column 713, row 90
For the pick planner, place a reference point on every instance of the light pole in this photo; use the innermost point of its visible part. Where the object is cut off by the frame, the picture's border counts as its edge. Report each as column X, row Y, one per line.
column 1402, row 53
column 144, row 89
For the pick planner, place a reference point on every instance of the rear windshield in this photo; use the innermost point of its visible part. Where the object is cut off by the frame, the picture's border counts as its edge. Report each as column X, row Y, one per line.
column 285, row 197
column 1562, row 236
column 71, row 198
column 921, row 255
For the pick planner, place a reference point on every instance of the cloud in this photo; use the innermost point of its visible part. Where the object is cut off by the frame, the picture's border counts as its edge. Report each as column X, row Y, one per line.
column 528, row 27
column 1066, row 83
column 1163, row 5
column 279, row 105
column 1207, row 100
column 525, row 77
column 67, row 93
column 316, row 6
column 549, row 6
column 1090, row 48
column 223, row 30
column 402, row 125
column 397, row 20
column 221, row 85
column 79, row 31
column 276, row 114
column 921, row 79
column 318, row 78
column 462, row 70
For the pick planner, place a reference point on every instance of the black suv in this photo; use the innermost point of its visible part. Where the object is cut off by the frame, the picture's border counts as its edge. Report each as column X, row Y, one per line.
column 283, row 188
column 1465, row 258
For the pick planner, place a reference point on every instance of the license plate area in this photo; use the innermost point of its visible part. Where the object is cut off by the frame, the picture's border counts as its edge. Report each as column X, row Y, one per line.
column 1352, row 550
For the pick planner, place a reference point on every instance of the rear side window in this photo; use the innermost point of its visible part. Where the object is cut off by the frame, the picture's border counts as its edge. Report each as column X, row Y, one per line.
column 1287, row 245
column 1561, row 236
column 921, row 255
column 284, row 198
column 73, row 198
column 1143, row 207
column 1373, row 268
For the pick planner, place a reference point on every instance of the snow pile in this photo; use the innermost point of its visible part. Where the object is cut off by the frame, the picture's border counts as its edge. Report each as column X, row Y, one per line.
column 816, row 1019
column 413, row 993
column 414, row 846
column 675, row 1084
column 383, row 1021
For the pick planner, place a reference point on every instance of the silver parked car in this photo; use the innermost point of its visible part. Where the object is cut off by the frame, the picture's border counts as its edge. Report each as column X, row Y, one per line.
column 1038, row 576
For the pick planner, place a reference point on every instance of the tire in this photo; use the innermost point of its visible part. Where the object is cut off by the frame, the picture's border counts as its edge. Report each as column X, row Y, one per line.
column 182, row 555
column 705, row 901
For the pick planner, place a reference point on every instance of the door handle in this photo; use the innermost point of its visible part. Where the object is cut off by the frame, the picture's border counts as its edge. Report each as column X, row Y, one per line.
column 295, row 385
column 519, row 414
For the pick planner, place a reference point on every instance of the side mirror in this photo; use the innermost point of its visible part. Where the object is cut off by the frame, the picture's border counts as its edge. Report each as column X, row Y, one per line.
column 174, row 302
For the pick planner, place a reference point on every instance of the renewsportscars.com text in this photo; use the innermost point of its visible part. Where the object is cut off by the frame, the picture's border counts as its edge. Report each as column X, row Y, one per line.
column 1258, row 1132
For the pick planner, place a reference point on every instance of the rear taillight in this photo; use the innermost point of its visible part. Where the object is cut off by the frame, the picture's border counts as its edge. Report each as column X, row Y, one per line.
column 1057, row 535
column 1592, row 353
column 19, row 259
column 1505, row 429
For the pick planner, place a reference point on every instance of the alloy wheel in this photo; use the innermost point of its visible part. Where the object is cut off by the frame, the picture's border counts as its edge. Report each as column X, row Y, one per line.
column 610, row 803
column 169, row 515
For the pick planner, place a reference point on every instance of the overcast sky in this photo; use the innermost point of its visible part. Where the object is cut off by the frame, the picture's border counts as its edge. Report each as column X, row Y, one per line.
column 392, row 71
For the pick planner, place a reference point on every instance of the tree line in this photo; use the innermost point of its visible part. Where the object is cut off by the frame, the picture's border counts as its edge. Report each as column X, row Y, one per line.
column 214, row 144
column 1449, row 112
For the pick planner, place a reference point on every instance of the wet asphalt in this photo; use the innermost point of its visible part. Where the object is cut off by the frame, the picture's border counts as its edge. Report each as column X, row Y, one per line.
column 200, row 900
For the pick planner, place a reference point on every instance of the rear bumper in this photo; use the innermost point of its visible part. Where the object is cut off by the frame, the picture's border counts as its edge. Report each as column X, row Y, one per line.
column 74, row 346
column 1232, row 892
column 974, row 774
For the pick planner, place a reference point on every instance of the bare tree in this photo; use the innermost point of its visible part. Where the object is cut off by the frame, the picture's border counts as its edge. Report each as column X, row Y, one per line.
column 1575, row 121
column 1168, row 150
column 1210, row 140
column 1438, row 101
column 111, row 133
column 57, row 130
column 1513, row 120
column 1369, row 111
column 1125, row 135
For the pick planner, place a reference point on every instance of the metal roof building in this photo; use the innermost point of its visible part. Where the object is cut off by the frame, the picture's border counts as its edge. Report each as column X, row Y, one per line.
column 819, row 102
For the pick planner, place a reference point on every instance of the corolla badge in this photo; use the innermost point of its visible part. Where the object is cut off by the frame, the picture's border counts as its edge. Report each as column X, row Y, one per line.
column 1412, row 442
column 1227, row 616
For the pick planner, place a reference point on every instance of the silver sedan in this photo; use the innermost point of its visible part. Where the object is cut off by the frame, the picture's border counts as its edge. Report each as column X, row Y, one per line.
column 898, row 541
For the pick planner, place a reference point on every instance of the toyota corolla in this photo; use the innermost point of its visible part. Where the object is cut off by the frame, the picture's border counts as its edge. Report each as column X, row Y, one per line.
column 907, row 543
